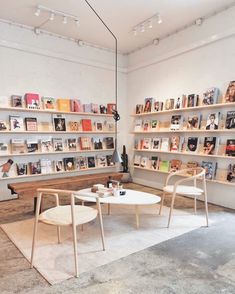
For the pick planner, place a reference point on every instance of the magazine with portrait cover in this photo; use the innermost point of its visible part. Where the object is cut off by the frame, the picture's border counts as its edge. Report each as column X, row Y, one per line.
column 175, row 164
column 71, row 144
column 230, row 93
column 17, row 101
column 148, row 104
column 175, row 143
column 178, row 103
column 139, row 108
column 58, row 144
column 91, row 161
column 209, row 145
column 138, row 125
column 210, row 168
column 192, row 144
column 144, row 162
column 157, row 106
column 230, row 120
column 193, row 100
column 137, row 160
column 231, row 173
column 156, row 143
column 154, row 162
column 146, row 144
column 59, row 122
column 82, row 162
column 230, row 147
column 193, row 122
column 59, row 165
column 165, row 144
column 210, row 96
column 46, row 145
column 146, row 125
column 34, row 167
column 176, row 121
column 109, row 160
column 212, row 122
column 169, row 104
column 32, row 145
column 69, row 163
column 21, row 169
column 101, row 160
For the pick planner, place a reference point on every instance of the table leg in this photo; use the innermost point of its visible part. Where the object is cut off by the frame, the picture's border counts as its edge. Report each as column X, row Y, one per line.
column 109, row 208
column 137, row 216
column 82, row 224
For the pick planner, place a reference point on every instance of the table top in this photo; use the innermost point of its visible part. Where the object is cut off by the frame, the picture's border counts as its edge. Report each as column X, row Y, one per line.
column 132, row 197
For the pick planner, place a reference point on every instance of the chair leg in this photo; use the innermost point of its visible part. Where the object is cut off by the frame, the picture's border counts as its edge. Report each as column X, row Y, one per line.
column 58, row 234
column 161, row 205
column 171, row 210
column 195, row 205
column 101, row 223
column 206, row 208
column 75, row 249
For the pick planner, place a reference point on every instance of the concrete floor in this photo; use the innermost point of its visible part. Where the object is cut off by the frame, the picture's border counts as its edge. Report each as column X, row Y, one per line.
column 202, row 261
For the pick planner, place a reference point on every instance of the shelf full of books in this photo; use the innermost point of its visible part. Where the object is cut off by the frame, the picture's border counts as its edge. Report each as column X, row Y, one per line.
column 58, row 136
column 202, row 129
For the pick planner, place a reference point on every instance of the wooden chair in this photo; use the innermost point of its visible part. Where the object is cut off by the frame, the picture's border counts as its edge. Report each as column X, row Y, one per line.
column 179, row 189
column 66, row 215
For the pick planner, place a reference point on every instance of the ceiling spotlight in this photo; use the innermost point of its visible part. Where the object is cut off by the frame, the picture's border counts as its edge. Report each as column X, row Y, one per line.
column 80, row 43
column 52, row 16
column 198, row 21
column 64, row 19
column 156, row 42
column 142, row 29
column 159, row 19
column 77, row 22
column 37, row 12
column 37, row 31
column 150, row 24
column 135, row 31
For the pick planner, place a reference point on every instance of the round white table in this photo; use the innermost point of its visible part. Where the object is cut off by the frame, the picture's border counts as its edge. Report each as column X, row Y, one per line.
column 132, row 197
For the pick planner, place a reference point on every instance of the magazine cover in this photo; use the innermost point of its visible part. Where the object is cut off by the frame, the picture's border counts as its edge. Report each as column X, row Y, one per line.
column 157, row 106
column 138, row 125
column 109, row 160
column 48, row 103
column 175, row 142
column 230, row 147
column 82, row 162
column 231, row 173
column 169, row 104
column 72, row 144
column 16, row 123
column 18, row 146
column 230, row 120
column 178, row 103
column 146, row 143
column 109, row 142
column 32, row 101
column 21, row 169
column 99, row 126
column 153, row 124
column 76, row 105
column 156, row 143
column 148, row 104
column 193, row 100
column 97, row 143
column 230, row 93
column 32, row 145
column 69, row 163
column 59, row 166
column 192, row 144
column 16, row 101
column 210, row 169
column 193, row 122
column 210, row 96
column 146, row 125
column 164, row 165
column 137, row 160
column 46, row 166
column 175, row 164
column 101, row 161
column 154, row 162
column 46, row 145
column 91, row 161
column 58, row 144
column 165, row 144
column 144, row 162
column 212, row 122
column 176, row 122
column 3, row 125
column 35, row 167
column 31, row 124
column 209, row 145
column 139, row 108
column 3, row 148
column 59, row 122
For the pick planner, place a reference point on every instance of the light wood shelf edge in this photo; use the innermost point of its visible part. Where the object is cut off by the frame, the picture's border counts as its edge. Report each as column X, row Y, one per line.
column 185, row 131
column 57, row 132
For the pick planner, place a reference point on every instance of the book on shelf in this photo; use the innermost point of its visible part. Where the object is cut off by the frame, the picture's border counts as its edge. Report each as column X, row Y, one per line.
column 154, row 162
column 87, row 107
column 109, row 142
column 164, row 165
column 146, row 144
column 31, row 124
column 109, row 126
column 94, row 108
column 230, row 147
column 48, row 103
column 63, row 105
column 85, row 143
column 148, row 104
column 99, row 126
column 210, row 96
column 59, row 122
column 76, row 105
column 45, row 126
column 69, row 163
column 17, row 146
column 212, row 122
column 175, row 144
column 91, row 161
column 109, row 160
column 101, row 160
column 35, row 167
column 17, row 101
column 138, row 125
column 184, row 101
column 58, row 165
column 169, row 104
column 210, row 168
column 82, row 162
column 97, row 143
column 86, row 125
column 144, row 162
column 3, row 125
column 3, row 148
column 231, row 173
column 209, row 145
column 230, row 120
column 156, row 144
column 46, row 166
column 154, row 125
column 136, row 144
column 46, row 145
column 146, row 125
column 183, row 144
column 21, row 169
column 16, row 123
column 158, row 106
column 4, row 102
column 178, row 103
column 32, row 145
column 230, row 92
column 193, row 122
column 193, row 100
column 176, row 122
column 71, row 144
column 139, row 108
column 58, row 144
column 74, row 126
column 175, row 165
column 103, row 109
column 192, row 144
column 110, row 108
column 165, row 144
column 32, row 101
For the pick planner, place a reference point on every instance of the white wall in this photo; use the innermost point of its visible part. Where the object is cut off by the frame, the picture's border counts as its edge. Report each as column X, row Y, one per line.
column 58, row 68
column 186, row 63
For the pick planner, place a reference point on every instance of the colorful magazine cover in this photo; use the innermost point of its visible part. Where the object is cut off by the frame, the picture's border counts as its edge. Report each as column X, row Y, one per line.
column 230, row 147
column 231, row 173
column 230, row 120
column 209, row 145
column 210, row 96
column 212, row 122
column 230, row 93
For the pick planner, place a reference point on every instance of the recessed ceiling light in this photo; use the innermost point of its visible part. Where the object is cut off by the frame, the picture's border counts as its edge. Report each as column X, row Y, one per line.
column 142, row 29
column 64, row 20
column 159, row 19
column 52, row 16
column 198, row 21
column 37, row 12
column 156, row 42
column 77, row 22
column 37, row 31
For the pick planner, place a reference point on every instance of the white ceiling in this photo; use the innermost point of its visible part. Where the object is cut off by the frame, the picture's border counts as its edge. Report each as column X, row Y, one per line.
column 120, row 15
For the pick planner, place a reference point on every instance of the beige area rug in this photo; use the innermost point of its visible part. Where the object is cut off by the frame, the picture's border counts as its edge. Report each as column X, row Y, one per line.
column 55, row 261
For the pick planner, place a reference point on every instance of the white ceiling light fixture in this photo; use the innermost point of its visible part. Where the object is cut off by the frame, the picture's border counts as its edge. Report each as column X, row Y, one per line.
column 65, row 20
column 52, row 16
column 80, row 43
column 159, row 19
column 156, row 42
column 37, row 12
column 199, row 21
column 77, row 22
column 37, row 31
column 146, row 24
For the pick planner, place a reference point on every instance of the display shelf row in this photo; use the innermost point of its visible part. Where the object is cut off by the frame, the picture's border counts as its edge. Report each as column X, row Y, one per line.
column 57, row 132
column 165, row 131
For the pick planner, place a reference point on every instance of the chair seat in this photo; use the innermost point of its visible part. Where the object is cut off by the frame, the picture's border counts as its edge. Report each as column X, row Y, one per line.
column 184, row 190
column 61, row 215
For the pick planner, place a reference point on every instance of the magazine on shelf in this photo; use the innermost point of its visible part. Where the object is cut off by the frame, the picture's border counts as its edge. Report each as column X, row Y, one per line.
column 193, row 122
column 230, row 120
column 76, row 105
column 230, row 147
column 98, row 126
column 32, row 145
column 175, row 144
column 21, row 169
column 154, row 125
column 86, row 125
column 31, row 124
column 212, row 122
column 109, row 142
column 146, row 144
column 178, row 103
column 48, row 103
column 231, row 173
column 209, row 145
column 16, row 123
column 164, row 165
column 146, row 125
column 59, row 165
column 230, row 93
column 3, row 148
column 144, row 162
column 59, row 122
column 32, row 101
column 46, row 145
column 91, row 161
column 210, row 168
column 148, row 104
column 74, row 126
column 18, row 146
column 58, row 144
column 184, row 101
column 138, row 125
column 165, row 144
column 110, row 108
column 192, row 144
column 71, row 144
column 169, row 104
column 183, row 144
column 17, row 101
column 63, row 105
column 175, row 165
column 109, row 126
column 46, row 166
column 101, row 160
column 109, row 160
column 103, row 109
column 69, row 163
column 193, row 100
column 3, row 125
column 94, row 108
column 192, row 165
column 35, row 167
column 210, row 96
column 176, row 122
column 154, row 162
column 97, row 143
column 82, row 162
column 156, row 143
column 139, row 108
column 158, row 106
column 85, row 143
